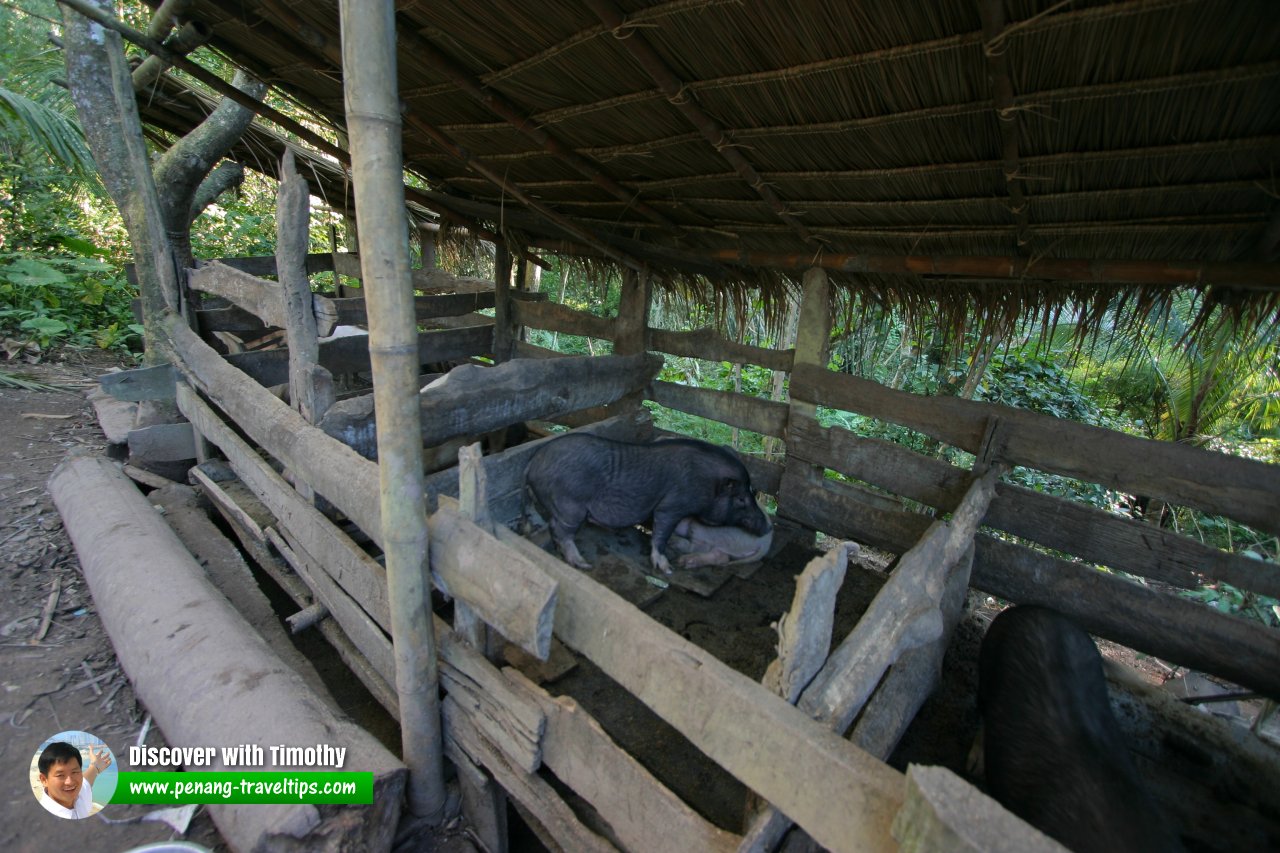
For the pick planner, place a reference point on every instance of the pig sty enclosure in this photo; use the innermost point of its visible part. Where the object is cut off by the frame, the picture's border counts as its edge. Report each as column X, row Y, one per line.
column 1004, row 159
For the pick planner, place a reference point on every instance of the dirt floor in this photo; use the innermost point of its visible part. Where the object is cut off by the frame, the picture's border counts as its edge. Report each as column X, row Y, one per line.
column 45, row 680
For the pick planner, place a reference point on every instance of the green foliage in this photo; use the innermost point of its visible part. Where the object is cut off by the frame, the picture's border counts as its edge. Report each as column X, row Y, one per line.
column 1239, row 602
column 61, row 299
column 1036, row 383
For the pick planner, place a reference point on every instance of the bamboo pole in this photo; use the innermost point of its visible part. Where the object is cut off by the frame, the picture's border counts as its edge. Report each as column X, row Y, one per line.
column 373, row 121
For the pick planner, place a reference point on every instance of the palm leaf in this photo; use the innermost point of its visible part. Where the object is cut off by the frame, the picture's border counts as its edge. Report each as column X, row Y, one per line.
column 52, row 131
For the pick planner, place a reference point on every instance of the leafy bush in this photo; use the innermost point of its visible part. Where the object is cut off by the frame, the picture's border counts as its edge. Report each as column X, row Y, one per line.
column 66, row 300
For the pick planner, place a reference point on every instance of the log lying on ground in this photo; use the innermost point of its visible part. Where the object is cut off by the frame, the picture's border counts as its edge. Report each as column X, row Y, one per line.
column 471, row 400
column 125, row 548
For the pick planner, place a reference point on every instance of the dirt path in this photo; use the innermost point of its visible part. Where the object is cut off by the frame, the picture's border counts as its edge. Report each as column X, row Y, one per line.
column 44, row 682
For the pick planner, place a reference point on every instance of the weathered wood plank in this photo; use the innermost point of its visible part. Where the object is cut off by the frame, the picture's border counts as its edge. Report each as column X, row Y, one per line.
column 766, row 743
column 1167, row 626
column 561, row 828
column 351, row 354
column 710, row 345
column 230, row 318
column 763, row 416
column 1243, row 489
column 472, row 400
column 555, row 317
column 259, row 297
column 162, row 443
column 1061, row 524
column 804, row 631
column 351, row 309
column 141, row 383
column 266, row 264
column 945, row 814
column 641, row 811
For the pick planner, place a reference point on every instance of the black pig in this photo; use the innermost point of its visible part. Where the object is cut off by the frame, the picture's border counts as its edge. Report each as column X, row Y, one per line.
column 1052, row 749
column 579, row 477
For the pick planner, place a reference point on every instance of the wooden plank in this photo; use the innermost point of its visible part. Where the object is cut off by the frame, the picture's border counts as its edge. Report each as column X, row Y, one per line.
column 259, row 297
column 1243, row 489
column 266, row 264
column 116, row 418
column 351, row 354
column 1061, row 524
column 1167, row 626
column 943, row 813
column 710, row 345
column 763, row 416
column 351, row 310
column 561, row 828
column 142, row 383
column 230, row 318
column 555, row 317
column 770, row 746
column 162, row 443
column 472, row 400
column 804, row 631
column 642, row 812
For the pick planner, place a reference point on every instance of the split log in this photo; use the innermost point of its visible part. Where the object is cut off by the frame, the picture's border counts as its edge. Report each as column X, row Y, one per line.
column 905, row 614
column 1213, row 482
column 472, row 400
column 804, row 631
column 261, row 265
column 125, row 547
column 763, row 416
column 710, row 345
column 555, row 317
column 259, row 297
column 115, row 417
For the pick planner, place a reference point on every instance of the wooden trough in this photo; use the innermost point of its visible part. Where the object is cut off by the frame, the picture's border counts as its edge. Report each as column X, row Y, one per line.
column 503, row 732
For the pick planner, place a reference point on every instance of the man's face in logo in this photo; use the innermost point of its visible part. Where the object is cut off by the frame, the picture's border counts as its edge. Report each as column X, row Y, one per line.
column 63, row 782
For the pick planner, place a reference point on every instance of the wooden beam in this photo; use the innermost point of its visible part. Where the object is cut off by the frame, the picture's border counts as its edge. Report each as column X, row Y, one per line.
column 996, row 50
column 1064, row 525
column 555, row 317
column 763, row 416
column 264, row 299
column 1214, row 482
column 472, row 400
column 1245, row 276
column 710, row 345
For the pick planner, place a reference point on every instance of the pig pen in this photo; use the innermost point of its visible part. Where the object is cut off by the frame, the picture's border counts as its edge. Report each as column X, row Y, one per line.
column 657, row 735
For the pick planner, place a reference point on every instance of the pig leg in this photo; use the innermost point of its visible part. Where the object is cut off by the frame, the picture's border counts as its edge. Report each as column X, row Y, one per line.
column 663, row 527
column 714, row 557
column 563, row 535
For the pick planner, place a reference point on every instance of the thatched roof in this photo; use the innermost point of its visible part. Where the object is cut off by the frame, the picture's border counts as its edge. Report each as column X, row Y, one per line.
column 679, row 134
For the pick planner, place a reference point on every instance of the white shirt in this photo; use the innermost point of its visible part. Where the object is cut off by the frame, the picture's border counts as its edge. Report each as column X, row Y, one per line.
column 82, row 807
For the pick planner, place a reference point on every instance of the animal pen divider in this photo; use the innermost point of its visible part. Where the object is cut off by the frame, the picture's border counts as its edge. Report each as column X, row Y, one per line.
column 496, row 719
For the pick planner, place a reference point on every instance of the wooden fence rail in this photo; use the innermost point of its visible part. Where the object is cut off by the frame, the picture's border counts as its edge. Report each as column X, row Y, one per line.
column 1216, row 483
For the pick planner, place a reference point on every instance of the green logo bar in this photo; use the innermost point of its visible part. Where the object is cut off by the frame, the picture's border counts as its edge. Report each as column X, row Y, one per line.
column 211, row 788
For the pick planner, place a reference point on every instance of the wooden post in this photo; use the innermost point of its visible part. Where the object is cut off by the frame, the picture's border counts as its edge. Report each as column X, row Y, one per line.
column 813, row 347
column 483, row 801
column 506, row 329
column 631, row 329
column 373, row 121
